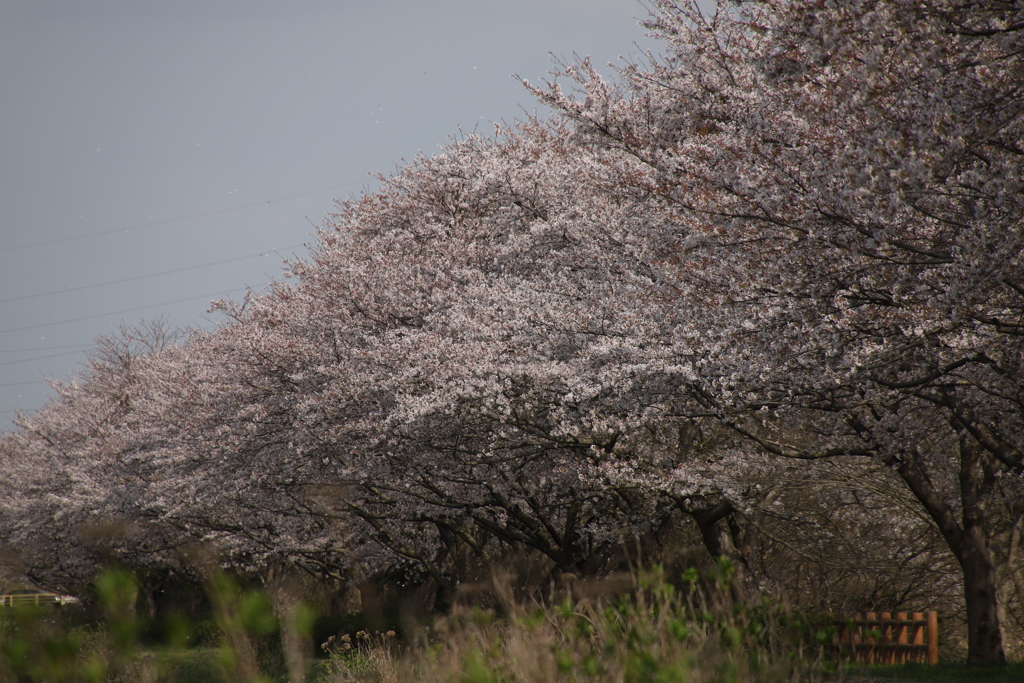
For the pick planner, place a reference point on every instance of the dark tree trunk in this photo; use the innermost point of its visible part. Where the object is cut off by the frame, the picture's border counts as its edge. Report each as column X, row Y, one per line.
column 968, row 541
column 713, row 522
column 984, row 637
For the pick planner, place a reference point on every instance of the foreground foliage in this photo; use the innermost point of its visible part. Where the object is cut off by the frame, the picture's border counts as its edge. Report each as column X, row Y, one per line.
column 106, row 640
column 654, row 632
column 947, row 673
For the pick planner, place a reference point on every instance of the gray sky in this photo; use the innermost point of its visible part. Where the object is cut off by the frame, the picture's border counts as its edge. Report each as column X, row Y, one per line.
column 139, row 137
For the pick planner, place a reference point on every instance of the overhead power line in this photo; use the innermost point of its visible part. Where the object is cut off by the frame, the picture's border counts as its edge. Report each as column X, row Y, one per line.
column 173, row 220
column 46, row 348
column 144, row 277
column 52, row 355
column 124, row 310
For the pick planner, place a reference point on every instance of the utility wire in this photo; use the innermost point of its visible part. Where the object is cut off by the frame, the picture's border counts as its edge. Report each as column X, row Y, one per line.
column 124, row 310
column 47, row 348
column 143, row 277
column 53, row 355
column 173, row 220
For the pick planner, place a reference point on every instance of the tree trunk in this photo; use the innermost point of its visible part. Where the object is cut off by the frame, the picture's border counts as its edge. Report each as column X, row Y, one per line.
column 984, row 636
column 713, row 522
column 968, row 542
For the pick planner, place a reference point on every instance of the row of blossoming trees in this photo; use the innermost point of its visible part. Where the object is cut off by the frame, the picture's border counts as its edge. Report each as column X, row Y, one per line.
column 763, row 292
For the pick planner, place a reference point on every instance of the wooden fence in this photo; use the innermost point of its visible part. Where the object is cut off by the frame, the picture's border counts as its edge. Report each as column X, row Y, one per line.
column 885, row 638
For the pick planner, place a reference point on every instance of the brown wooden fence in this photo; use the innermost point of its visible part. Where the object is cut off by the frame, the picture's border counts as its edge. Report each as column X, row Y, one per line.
column 890, row 638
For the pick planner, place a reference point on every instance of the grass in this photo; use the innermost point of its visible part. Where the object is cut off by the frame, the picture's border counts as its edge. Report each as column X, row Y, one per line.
column 945, row 672
column 657, row 634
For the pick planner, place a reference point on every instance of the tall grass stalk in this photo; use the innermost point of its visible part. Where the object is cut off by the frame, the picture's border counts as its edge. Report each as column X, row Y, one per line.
column 657, row 633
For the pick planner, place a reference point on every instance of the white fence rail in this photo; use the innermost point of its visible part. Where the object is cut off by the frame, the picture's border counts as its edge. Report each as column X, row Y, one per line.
column 14, row 599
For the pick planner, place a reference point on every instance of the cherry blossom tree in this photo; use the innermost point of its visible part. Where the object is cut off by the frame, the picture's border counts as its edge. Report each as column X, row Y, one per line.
column 853, row 173
column 792, row 241
column 75, row 490
column 107, row 473
column 443, row 341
